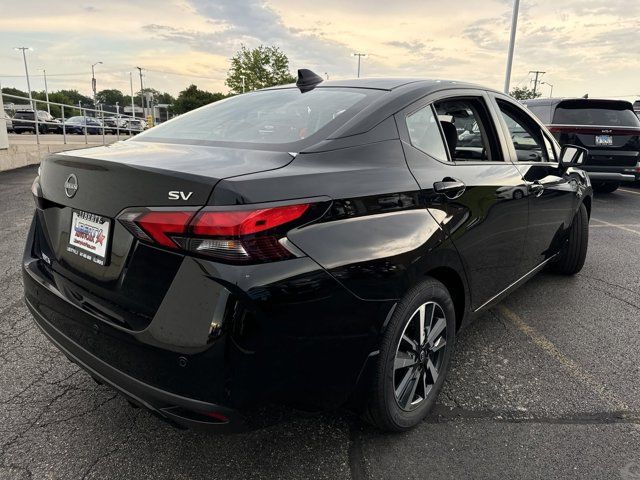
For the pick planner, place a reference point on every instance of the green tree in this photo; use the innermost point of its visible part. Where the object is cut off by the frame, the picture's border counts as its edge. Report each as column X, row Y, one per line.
column 524, row 93
column 110, row 97
column 13, row 91
column 262, row 67
column 192, row 97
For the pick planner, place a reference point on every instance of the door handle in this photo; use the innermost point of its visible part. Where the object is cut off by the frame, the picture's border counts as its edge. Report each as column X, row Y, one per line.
column 450, row 187
column 536, row 188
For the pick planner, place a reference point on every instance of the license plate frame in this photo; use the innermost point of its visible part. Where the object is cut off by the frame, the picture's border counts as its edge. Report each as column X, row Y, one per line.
column 604, row 140
column 90, row 236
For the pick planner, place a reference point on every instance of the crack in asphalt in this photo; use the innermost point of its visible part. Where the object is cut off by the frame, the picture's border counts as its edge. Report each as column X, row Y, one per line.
column 441, row 414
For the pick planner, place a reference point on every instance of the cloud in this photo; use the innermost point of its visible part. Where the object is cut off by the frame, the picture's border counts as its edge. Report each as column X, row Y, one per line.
column 252, row 22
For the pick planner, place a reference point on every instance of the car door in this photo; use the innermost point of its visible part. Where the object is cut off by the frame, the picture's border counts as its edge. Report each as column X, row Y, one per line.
column 552, row 193
column 456, row 154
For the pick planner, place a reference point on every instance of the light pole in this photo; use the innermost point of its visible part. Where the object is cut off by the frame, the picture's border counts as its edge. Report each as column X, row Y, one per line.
column 133, row 106
column 141, row 91
column 26, row 71
column 242, row 77
column 93, row 81
column 359, row 55
column 547, row 83
column 512, row 44
column 46, row 90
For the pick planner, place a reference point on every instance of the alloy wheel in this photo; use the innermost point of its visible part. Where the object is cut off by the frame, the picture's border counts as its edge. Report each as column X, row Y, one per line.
column 419, row 355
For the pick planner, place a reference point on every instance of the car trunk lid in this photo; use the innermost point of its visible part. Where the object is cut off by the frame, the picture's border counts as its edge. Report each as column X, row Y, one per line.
column 129, row 174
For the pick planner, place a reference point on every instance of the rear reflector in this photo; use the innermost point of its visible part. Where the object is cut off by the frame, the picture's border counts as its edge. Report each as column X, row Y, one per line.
column 233, row 236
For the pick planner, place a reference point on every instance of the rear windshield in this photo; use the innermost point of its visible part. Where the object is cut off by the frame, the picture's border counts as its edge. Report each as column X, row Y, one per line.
column 271, row 117
column 606, row 113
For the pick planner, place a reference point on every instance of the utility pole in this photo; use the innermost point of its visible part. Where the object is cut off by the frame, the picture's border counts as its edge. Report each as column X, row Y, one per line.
column 537, row 73
column 512, row 45
column 359, row 55
column 141, row 92
column 26, row 71
column 46, row 90
column 93, row 81
column 133, row 106
column 243, row 77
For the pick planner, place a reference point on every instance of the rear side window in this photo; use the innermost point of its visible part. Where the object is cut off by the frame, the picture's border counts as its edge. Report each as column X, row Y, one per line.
column 595, row 112
column 281, row 116
column 468, row 129
column 543, row 112
column 424, row 132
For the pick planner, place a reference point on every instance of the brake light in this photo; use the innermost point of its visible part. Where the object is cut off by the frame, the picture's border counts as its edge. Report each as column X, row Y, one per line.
column 244, row 222
column 159, row 225
column 234, row 236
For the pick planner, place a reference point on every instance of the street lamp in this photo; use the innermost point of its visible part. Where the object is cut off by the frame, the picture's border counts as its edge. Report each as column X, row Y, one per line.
column 547, row 83
column 512, row 44
column 26, row 71
column 93, row 81
column 46, row 89
column 359, row 55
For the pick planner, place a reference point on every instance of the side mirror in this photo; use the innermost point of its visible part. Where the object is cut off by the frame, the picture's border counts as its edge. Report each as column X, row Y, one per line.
column 572, row 156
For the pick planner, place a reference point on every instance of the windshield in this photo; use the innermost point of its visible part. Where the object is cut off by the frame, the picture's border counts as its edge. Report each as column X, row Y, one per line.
column 281, row 116
column 593, row 112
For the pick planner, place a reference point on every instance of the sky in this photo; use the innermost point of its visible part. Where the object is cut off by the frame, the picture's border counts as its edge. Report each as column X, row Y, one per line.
column 584, row 46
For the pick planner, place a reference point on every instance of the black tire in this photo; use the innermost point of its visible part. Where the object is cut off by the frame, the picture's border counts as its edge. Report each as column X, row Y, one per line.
column 384, row 409
column 574, row 251
column 605, row 187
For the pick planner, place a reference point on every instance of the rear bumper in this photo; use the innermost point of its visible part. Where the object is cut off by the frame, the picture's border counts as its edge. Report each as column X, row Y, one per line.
column 178, row 410
column 601, row 173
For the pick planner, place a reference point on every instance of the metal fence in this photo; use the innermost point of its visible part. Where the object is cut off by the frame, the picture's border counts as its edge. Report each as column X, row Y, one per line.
column 93, row 120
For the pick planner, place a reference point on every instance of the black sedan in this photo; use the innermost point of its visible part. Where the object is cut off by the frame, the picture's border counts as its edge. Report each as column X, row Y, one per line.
column 319, row 244
column 79, row 124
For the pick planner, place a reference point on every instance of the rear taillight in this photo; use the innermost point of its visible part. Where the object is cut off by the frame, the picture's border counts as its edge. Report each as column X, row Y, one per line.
column 234, row 236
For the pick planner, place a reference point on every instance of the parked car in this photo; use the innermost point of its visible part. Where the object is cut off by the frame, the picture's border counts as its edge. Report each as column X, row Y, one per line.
column 114, row 124
column 8, row 119
column 136, row 124
column 609, row 129
column 319, row 244
column 24, row 121
column 78, row 125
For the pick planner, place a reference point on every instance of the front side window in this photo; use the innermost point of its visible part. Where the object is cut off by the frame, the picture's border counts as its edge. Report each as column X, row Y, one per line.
column 275, row 117
column 526, row 136
column 424, row 133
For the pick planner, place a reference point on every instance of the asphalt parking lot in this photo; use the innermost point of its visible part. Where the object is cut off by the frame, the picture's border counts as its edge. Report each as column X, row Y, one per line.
column 544, row 385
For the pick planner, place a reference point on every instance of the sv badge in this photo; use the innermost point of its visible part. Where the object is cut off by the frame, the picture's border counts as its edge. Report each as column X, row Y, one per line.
column 179, row 195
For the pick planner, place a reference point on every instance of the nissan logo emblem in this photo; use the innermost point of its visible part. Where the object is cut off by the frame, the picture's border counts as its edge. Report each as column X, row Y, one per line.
column 71, row 185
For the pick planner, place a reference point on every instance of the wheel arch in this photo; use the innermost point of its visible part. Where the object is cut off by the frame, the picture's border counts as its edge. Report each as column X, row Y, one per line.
column 587, row 204
column 454, row 283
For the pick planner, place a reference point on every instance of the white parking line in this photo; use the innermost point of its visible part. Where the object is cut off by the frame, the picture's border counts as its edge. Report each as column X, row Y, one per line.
column 628, row 191
column 620, row 227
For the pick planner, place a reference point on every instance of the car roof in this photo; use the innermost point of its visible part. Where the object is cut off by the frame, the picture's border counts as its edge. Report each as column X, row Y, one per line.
column 557, row 100
column 389, row 83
